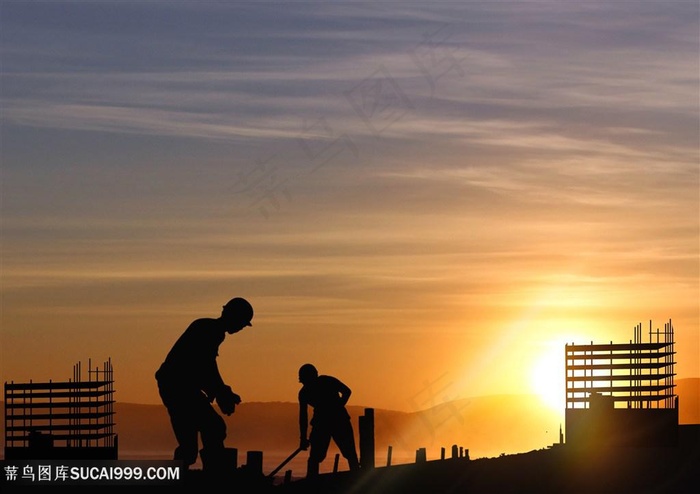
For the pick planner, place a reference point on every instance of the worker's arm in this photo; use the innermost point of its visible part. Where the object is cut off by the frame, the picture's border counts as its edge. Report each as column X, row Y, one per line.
column 344, row 392
column 227, row 400
column 215, row 387
column 214, row 384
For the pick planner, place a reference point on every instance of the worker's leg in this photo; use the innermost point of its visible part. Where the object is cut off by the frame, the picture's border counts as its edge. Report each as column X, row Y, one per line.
column 319, row 439
column 183, row 419
column 211, row 426
column 213, row 431
column 344, row 437
column 186, row 436
column 311, row 467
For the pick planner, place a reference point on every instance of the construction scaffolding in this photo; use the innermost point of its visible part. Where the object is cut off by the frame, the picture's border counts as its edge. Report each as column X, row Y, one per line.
column 72, row 419
column 622, row 393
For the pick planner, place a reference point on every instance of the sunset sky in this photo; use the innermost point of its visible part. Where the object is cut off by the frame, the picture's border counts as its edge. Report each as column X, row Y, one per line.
column 424, row 199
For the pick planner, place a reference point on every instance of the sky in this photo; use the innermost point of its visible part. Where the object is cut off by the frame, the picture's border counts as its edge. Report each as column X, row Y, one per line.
column 427, row 200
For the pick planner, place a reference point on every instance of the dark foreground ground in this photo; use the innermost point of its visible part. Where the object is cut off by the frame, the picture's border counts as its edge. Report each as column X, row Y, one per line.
column 560, row 470
column 557, row 470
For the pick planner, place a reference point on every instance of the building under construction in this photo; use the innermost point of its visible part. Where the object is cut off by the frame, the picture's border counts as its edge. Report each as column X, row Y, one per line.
column 622, row 394
column 67, row 420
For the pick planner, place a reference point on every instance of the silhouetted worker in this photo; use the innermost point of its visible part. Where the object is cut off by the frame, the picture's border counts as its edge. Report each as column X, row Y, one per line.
column 327, row 396
column 189, row 381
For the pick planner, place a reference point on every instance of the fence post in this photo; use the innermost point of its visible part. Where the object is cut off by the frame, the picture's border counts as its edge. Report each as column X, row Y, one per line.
column 254, row 462
column 367, row 439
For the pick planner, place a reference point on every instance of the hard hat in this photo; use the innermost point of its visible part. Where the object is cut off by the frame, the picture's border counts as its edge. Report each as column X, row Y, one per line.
column 241, row 308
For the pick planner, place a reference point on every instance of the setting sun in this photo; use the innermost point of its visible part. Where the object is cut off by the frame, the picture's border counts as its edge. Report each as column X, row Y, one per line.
column 547, row 377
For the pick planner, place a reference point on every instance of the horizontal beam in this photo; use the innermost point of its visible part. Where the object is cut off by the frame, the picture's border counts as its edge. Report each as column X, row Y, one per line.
column 628, row 366
column 616, row 347
column 59, row 416
column 35, row 395
column 61, row 437
column 618, row 356
column 56, row 385
column 59, row 427
column 621, row 389
column 623, row 399
column 58, row 404
column 619, row 377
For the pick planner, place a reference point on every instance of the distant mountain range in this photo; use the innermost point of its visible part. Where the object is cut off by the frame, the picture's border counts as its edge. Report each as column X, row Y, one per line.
column 486, row 426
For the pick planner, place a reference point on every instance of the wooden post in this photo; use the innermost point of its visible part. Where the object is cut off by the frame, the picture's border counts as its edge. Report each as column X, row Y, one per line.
column 232, row 457
column 421, row 455
column 335, row 463
column 367, row 439
column 388, row 456
column 254, row 462
column 287, row 476
column 454, row 452
column 442, row 453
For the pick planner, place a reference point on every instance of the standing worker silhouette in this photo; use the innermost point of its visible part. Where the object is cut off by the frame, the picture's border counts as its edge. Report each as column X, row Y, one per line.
column 189, row 381
column 327, row 396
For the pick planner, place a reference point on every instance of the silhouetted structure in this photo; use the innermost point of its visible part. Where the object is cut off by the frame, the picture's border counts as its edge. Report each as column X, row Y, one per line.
column 622, row 394
column 62, row 420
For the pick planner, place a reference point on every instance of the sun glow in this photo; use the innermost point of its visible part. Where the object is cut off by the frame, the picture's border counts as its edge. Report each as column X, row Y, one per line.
column 547, row 377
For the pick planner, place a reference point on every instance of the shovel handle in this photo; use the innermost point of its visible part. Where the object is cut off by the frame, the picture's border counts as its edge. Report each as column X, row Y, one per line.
column 287, row 460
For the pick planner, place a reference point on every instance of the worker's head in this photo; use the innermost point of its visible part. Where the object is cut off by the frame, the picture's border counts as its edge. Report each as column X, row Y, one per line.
column 307, row 373
column 237, row 314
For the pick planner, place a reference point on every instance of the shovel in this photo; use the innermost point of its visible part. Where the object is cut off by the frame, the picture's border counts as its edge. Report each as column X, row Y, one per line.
column 287, row 460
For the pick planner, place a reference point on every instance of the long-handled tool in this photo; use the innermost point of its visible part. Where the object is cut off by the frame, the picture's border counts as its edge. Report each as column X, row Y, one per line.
column 287, row 460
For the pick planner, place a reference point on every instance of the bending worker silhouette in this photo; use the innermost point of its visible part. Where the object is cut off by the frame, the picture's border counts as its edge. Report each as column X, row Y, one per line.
column 327, row 396
column 189, row 381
